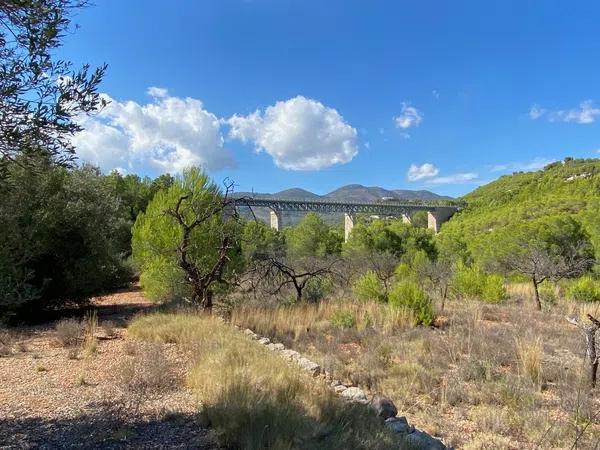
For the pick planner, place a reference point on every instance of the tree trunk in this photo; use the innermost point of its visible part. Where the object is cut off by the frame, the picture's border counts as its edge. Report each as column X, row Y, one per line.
column 591, row 356
column 538, row 302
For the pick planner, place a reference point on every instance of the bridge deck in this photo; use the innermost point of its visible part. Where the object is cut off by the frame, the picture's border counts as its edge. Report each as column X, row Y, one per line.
column 383, row 208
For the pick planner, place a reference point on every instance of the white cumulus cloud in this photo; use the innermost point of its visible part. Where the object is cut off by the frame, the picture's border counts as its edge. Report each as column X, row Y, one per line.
column 299, row 134
column 409, row 117
column 168, row 134
column 426, row 170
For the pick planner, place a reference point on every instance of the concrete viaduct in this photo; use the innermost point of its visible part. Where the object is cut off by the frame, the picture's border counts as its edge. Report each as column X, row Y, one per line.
column 436, row 214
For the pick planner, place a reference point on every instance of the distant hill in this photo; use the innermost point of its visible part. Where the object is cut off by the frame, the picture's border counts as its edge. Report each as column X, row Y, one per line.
column 570, row 187
column 349, row 193
column 353, row 193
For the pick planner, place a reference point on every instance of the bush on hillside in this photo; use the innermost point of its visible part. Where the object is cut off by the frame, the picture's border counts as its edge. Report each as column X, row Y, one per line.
column 472, row 282
column 369, row 288
column 408, row 294
column 584, row 289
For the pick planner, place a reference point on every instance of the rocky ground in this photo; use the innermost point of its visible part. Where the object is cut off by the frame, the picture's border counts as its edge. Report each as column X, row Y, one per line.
column 52, row 396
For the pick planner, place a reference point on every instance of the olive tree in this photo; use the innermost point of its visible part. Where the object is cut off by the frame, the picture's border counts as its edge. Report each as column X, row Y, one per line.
column 41, row 96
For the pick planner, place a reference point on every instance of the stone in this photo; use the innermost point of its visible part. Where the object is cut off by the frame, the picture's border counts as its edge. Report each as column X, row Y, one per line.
column 383, row 406
column 335, row 383
column 312, row 367
column 355, row 394
column 340, row 388
column 275, row 347
column 399, row 425
column 264, row 341
column 248, row 332
column 422, row 440
column 290, row 354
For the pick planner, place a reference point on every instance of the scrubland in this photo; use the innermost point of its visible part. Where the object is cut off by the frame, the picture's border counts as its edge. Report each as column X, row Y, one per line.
column 485, row 376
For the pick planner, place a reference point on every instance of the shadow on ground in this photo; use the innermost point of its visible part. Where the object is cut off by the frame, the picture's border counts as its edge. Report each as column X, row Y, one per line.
column 106, row 429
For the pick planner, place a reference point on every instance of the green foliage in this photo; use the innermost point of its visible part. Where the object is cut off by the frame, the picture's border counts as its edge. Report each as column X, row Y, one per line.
column 472, row 282
column 42, row 97
column 408, row 294
column 369, row 288
column 157, row 236
column 58, row 231
column 563, row 189
column 258, row 239
column 317, row 289
column 312, row 237
column 343, row 319
column 393, row 237
column 585, row 289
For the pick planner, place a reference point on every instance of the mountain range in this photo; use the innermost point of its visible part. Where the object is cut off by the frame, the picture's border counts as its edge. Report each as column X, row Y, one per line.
column 353, row 193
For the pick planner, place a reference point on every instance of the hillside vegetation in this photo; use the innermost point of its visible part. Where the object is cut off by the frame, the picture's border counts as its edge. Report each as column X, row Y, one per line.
column 564, row 188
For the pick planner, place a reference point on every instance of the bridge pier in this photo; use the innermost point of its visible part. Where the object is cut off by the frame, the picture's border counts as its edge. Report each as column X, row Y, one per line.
column 436, row 217
column 349, row 220
column 276, row 220
column 406, row 219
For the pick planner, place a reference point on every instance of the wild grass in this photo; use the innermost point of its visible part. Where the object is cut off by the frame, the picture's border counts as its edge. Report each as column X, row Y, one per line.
column 530, row 353
column 68, row 332
column 90, row 342
column 255, row 399
column 505, row 372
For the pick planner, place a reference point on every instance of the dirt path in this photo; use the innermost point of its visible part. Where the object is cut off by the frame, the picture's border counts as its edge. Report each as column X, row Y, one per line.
column 56, row 397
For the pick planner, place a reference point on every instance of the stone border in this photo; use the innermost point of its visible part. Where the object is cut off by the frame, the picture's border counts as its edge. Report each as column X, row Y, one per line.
column 381, row 405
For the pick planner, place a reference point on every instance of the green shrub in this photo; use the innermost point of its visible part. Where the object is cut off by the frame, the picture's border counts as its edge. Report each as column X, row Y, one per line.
column 548, row 293
column 343, row 319
column 472, row 282
column 369, row 288
column 317, row 289
column 493, row 289
column 584, row 289
column 408, row 294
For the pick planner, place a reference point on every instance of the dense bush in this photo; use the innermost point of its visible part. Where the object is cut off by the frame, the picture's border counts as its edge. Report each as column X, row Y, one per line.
column 158, row 239
column 58, row 242
column 584, row 289
column 369, row 288
column 343, row 319
column 472, row 282
column 408, row 294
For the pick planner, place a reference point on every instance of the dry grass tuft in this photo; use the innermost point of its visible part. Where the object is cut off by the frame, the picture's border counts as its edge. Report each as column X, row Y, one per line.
column 148, row 370
column 90, row 342
column 257, row 400
column 530, row 354
column 68, row 332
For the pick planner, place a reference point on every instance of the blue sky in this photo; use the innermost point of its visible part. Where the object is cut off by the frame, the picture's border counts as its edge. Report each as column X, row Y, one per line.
column 314, row 94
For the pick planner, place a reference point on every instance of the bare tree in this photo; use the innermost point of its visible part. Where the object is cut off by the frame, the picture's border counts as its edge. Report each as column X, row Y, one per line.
column 438, row 276
column 591, row 356
column 540, row 263
column 279, row 273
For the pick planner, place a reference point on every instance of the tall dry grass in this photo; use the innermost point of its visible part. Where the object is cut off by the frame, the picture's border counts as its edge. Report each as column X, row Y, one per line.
column 254, row 398
column 294, row 322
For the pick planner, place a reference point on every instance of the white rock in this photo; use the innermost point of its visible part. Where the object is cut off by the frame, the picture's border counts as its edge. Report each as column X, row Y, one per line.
column 290, row 354
column 340, row 388
column 264, row 341
column 307, row 364
column 248, row 332
column 355, row 394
